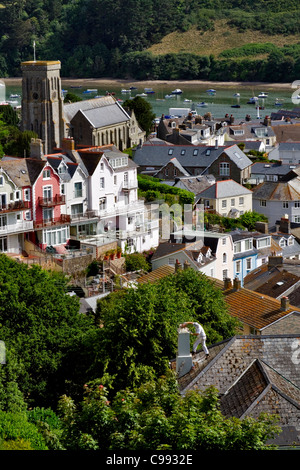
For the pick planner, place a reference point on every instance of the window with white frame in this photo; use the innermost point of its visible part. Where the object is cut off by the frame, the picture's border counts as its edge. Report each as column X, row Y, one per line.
column 263, row 242
column 1, row 180
column 102, row 183
column 224, row 257
column 290, row 241
column 297, row 219
column 27, row 194
column 28, row 215
column 237, row 247
column 46, row 174
column 297, row 204
column 47, row 213
column 248, row 244
column 225, row 273
column 241, row 201
column 17, row 195
column 47, row 192
column 285, row 204
column 115, row 180
column 238, row 267
column 3, row 244
column 224, row 169
column 224, row 203
column 232, row 202
column 249, row 264
column 282, row 242
column 263, row 203
column 78, row 189
column 224, row 241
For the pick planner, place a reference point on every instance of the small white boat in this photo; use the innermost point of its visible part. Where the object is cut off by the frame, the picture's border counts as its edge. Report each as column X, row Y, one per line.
column 263, row 95
column 125, row 91
column 148, row 91
column 252, row 100
column 169, row 96
column 201, row 105
column 236, row 94
column 278, row 102
column 211, row 91
column 14, row 96
column 177, row 91
column 187, row 100
column 141, row 94
column 92, row 90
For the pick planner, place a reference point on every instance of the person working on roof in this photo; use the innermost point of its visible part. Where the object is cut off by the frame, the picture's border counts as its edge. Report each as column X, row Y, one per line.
column 201, row 336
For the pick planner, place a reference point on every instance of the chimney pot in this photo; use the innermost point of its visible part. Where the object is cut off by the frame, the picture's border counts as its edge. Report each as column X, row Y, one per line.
column 285, row 303
column 227, row 283
column 237, row 284
column 177, row 265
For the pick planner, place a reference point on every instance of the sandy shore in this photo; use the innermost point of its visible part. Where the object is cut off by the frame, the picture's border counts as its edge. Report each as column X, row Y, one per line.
column 111, row 82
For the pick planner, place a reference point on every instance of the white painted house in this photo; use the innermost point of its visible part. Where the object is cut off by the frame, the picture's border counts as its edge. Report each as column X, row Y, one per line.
column 113, row 196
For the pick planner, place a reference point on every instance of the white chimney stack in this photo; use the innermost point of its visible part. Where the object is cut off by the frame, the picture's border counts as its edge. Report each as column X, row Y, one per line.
column 184, row 361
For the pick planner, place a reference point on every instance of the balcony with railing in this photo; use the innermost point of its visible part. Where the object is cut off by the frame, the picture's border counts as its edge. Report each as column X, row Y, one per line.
column 82, row 217
column 19, row 227
column 14, row 206
column 52, row 221
column 130, row 184
column 121, row 209
column 56, row 200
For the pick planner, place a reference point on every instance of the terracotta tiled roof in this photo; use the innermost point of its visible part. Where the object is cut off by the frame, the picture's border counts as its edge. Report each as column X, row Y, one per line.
column 157, row 274
column 255, row 309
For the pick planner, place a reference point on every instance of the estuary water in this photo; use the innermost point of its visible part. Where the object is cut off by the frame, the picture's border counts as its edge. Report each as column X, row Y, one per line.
column 161, row 98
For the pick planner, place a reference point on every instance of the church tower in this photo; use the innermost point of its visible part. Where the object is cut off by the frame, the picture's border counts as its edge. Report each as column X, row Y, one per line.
column 42, row 102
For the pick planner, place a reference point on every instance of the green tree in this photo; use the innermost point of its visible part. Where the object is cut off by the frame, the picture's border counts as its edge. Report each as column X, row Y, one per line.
column 143, row 112
column 249, row 219
column 139, row 334
column 17, row 433
column 154, row 416
column 39, row 324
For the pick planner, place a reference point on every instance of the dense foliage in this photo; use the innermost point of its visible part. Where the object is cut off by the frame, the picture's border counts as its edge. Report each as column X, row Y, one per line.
column 96, row 38
column 74, row 382
column 154, row 416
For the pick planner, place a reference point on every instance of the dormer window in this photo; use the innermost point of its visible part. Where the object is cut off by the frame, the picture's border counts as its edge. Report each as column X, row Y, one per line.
column 62, row 169
column 290, row 241
column 46, row 174
column 248, row 244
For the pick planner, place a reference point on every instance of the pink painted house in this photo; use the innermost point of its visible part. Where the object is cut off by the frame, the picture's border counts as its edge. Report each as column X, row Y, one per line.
column 51, row 224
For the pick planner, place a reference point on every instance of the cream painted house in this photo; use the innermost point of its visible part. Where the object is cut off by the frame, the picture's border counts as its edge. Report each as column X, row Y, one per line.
column 227, row 198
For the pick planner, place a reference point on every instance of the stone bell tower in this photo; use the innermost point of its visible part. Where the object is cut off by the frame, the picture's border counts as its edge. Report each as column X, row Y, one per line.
column 42, row 102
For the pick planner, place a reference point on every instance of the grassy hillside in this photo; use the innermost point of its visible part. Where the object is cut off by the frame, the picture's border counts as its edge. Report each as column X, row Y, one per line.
column 224, row 37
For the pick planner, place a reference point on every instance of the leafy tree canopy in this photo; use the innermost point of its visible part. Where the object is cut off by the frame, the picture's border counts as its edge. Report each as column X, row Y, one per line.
column 139, row 333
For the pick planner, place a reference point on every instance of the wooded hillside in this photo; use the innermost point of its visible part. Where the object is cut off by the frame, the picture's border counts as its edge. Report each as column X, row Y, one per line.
column 97, row 38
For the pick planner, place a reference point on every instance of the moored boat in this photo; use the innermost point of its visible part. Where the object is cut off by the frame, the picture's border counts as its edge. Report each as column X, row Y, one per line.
column 177, row 91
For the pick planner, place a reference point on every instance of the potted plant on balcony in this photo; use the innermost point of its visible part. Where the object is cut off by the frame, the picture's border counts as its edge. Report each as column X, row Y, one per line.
column 106, row 255
column 112, row 254
column 119, row 252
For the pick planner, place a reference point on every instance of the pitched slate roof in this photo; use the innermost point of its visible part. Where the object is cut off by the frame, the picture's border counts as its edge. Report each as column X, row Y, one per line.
column 252, row 386
column 71, row 109
column 201, row 156
column 196, row 184
column 104, row 116
column 223, row 189
column 278, row 191
column 272, row 168
column 23, row 171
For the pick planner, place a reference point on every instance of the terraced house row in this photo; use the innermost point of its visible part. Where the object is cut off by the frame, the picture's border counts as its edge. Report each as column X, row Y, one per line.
column 69, row 196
